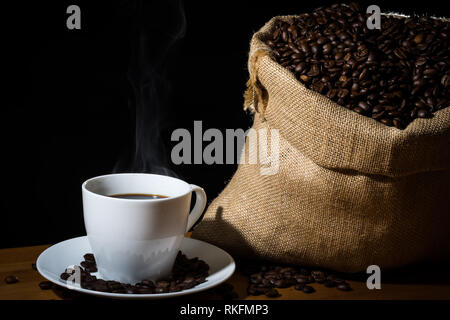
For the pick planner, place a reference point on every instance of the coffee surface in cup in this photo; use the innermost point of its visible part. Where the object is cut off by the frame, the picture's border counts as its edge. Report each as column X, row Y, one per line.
column 138, row 196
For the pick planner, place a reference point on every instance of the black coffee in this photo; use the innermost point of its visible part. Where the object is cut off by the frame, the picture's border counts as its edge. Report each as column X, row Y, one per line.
column 138, row 196
column 393, row 75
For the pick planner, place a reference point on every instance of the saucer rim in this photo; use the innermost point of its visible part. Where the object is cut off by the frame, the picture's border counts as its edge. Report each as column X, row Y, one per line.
column 133, row 296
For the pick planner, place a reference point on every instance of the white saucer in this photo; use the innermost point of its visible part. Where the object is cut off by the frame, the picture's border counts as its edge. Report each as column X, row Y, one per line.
column 54, row 260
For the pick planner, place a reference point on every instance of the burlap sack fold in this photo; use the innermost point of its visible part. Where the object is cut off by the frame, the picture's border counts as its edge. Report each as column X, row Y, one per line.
column 350, row 192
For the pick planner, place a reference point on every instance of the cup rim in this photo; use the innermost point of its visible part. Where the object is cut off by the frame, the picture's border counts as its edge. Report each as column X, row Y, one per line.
column 83, row 187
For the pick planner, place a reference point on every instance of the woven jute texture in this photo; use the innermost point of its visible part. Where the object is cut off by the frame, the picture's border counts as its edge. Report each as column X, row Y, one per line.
column 350, row 192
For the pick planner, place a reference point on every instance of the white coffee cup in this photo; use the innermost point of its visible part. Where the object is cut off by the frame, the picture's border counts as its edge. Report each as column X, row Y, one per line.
column 131, row 239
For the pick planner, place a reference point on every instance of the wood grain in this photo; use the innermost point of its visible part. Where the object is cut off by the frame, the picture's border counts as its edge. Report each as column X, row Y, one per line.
column 17, row 261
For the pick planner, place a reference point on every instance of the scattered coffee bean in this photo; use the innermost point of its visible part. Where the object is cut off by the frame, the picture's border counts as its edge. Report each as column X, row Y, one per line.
column 344, row 287
column 404, row 65
column 11, row 279
column 272, row 293
column 299, row 287
column 308, row 289
column 45, row 285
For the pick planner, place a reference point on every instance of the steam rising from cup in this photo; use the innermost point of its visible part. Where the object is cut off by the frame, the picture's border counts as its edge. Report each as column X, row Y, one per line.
column 157, row 29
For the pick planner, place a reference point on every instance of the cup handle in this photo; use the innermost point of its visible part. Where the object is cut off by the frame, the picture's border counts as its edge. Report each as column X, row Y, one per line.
column 200, row 204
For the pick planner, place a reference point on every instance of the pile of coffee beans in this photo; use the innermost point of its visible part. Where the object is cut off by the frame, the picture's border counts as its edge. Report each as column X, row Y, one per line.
column 186, row 274
column 393, row 75
column 265, row 279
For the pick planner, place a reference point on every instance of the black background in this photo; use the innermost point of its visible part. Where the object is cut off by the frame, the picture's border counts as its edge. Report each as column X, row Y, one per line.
column 67, row 111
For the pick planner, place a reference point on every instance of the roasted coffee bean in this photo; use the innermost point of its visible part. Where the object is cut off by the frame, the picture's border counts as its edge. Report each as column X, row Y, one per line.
column 339, row 280
column 91, row 269
column 300, row 67
column 256, row 290
column 89, row 266
column 386, row 121
column 145, row 290
column 166, row 284
column 418, row 38
column 64, row 276
column 358, row 110
column 315, row 49
column 117, row 286
column 11, row 279
column 390, row 108
column 397, row 123
column 276, row 34
column 101, row 285
column 429, row 73
column 304, row 78
column 308, row 289
column 286, row 270
column 272, row 293
column 45, row 285
column 281, row 283
column 89, row 257
column 119, row 291
column 326, row 49
column 314, row 71
column 299, row 287
column 159, row 290
column 362, row 69
column 319, row 280
column 445, row 81
column 343, row 78
column 317, row 274
column 302, row 280
column 422, row 113
column 331, row 277
column 363, row 74
column 342, row 93
column 175, row 288
column 200, row 280
column 89, row 278
column 344, row 287
column 256, row 278
column 364, row 106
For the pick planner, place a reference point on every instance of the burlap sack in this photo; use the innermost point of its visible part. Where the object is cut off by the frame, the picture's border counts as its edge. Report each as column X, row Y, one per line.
column 350, row 192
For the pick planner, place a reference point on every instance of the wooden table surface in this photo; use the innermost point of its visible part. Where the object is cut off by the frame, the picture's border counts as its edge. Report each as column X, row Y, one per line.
column 18, row 262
